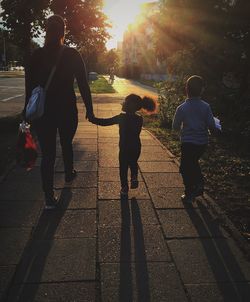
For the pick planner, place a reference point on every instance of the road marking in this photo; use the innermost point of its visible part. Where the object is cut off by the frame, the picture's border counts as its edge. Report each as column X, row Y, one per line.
column 13, row 97
column 11, row 87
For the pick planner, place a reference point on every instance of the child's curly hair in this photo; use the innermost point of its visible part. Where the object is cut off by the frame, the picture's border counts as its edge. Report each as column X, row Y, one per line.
column 134, row 102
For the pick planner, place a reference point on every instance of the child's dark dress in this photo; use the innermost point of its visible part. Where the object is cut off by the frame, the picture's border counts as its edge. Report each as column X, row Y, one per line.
column 130, row 125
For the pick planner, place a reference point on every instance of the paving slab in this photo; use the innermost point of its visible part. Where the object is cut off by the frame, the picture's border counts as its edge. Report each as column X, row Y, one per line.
column 16, row 190
column 13, row 242
column 168, row 198
column 160, row 180
column 78, row 198
column 84, row 147
column 79, row 165
column 85, row 141
column 19, row 213
column 149, row 142
column 105, row 134
column 66, row 224
column 6, row 274
column 89, row 128
column 84, row 134
column 155, row 282
column 109, row 161
column 190, row 223
column 136, row 243
column 85, row 156
column 150, row 156
column 57, row 261
column 83, row 180
column 209, row 260
column 32, row 175
column 111, row 174
column 219, row 292
column 111, row 190
column 108, row 140
column 54, row 292
column 158, row 166
column 152, row 149
column 115, row 212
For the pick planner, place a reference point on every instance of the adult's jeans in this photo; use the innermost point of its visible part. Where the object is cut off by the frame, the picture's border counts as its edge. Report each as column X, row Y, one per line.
column 46, row 129
column 128, row 159
column 190, row 167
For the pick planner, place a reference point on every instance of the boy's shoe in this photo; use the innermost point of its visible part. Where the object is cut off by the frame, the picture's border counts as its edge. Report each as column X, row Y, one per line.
column 187, row 198
column 70, row 177
column 124, row 191
column 134, row 183
column 51, row 203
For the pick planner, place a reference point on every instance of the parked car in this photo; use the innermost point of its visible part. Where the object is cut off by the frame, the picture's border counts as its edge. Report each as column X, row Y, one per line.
column 93, row 76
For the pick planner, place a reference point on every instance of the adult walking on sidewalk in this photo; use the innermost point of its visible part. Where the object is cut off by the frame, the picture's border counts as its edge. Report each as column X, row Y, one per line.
column 60, row 112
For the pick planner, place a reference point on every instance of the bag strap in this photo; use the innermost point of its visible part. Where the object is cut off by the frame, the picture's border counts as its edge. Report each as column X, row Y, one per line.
column 54, row 68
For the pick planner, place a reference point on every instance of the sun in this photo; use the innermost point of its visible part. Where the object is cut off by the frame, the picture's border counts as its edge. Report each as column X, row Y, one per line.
column 121, row 13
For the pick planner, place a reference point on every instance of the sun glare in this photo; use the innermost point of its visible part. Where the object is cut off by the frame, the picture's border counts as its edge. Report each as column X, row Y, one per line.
column 121, row 13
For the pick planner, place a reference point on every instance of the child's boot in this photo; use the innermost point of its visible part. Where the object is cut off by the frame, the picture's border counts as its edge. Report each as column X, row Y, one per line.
column 134, row 182
column 124, row 191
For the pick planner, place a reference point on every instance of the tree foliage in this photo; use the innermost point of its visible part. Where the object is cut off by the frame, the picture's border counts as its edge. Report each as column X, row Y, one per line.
column 23, row 19
column 210, row 38
column 86, row 24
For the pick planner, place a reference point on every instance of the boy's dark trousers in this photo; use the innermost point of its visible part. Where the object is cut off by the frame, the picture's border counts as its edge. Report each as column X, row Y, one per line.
column 46, row 130
column 190, row 168
column 128, row 159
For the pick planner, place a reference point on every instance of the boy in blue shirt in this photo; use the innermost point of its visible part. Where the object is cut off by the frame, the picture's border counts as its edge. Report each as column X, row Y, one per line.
column 193, row 118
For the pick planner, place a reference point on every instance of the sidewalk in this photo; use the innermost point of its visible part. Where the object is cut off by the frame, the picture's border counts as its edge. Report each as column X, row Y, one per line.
column 98, row 248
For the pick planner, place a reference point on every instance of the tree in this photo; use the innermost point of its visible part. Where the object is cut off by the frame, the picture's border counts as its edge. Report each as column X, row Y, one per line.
column 23, row 19
column 215, row 31
column 86, row 25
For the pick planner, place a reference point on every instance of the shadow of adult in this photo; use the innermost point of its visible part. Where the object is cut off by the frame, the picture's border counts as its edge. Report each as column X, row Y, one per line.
column 31, row 266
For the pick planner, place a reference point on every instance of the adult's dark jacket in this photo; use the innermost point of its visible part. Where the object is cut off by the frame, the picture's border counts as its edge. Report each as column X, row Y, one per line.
column 60, row 97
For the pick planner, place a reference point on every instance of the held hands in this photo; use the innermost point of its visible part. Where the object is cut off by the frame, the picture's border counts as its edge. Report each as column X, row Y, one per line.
column 90, row 116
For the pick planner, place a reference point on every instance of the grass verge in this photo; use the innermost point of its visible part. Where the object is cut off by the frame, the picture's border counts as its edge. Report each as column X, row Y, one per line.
column 99, row 86
column 226, row 170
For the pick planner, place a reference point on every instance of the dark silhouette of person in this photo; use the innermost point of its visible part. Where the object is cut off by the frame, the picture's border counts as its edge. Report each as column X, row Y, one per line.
column 60, row 112
column 130, row 125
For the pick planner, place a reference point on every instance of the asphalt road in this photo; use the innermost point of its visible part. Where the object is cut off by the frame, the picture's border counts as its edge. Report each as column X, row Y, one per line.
column 11, row 96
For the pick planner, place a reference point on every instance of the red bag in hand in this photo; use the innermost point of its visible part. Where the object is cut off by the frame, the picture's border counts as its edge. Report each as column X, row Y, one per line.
column 26, row 147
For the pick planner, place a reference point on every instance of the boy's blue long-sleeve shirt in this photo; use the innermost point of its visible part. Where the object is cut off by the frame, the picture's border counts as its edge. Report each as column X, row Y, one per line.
column 193, row 118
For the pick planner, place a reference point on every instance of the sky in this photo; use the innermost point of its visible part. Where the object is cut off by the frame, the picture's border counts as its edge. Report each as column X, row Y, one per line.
column 121, row 13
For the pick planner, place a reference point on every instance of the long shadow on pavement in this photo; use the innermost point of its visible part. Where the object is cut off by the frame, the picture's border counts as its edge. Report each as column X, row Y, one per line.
column 224, row 266
column 125, row 286
column 32, row 263
column 141, row 271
